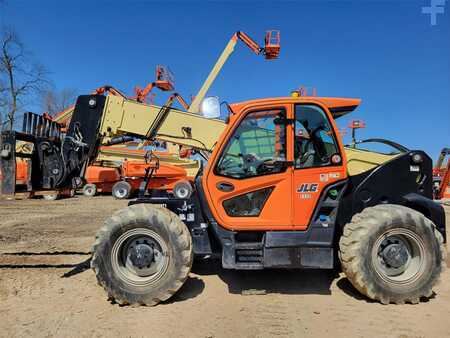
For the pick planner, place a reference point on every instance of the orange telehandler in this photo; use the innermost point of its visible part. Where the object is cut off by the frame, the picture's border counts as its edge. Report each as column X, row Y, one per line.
column 279, row 190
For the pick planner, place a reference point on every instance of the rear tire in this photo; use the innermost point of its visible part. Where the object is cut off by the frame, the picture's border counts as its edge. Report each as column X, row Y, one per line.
column 89, row 190
column 392, row 254
column 162, row 270
column 121, row 190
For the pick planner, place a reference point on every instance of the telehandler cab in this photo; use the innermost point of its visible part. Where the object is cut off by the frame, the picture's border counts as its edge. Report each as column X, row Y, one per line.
column 279, row 190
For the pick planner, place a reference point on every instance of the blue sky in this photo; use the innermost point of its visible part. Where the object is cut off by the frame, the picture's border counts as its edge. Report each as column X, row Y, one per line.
column 385, row 52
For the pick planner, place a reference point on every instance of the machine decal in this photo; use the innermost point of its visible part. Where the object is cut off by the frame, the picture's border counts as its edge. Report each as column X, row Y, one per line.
column 324, row 177
column 334, row 175
column 308, row 187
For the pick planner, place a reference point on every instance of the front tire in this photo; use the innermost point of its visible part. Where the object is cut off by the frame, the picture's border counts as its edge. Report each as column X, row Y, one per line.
column 142, row 255
column 392, row 254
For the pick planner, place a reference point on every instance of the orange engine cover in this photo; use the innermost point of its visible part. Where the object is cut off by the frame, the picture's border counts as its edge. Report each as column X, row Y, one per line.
column 96, row 174
column 137, row 169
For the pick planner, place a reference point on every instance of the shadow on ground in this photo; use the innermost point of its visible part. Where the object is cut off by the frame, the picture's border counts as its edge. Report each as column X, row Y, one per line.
column 76, row 267
column 270, row 280
column 244, row 282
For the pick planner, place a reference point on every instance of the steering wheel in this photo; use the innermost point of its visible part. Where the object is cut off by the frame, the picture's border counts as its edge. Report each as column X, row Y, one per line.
column 227, row 164
column 307, row 154
column 250, row 161
column 265, row 165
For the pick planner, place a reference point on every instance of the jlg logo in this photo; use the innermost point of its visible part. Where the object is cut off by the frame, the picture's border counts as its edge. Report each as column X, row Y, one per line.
column 308, row 187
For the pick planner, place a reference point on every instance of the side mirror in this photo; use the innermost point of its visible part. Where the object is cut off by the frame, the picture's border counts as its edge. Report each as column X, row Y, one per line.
column 210, row 107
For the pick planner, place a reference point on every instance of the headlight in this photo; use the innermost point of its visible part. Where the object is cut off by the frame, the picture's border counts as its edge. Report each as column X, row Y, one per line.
column 92, row 103
column 416, row 158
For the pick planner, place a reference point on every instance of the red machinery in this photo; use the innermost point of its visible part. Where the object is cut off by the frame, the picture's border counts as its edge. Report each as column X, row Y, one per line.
column 441, row 176
column 164, row 81
column 271, row 48
column 124, row 181
column 353, row 125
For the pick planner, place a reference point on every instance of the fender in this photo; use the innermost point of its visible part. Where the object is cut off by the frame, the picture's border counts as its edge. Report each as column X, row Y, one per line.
column 432, row 210
column 394, row 182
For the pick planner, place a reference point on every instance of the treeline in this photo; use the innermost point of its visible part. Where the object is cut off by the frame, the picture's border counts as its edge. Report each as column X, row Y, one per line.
column 24, row 81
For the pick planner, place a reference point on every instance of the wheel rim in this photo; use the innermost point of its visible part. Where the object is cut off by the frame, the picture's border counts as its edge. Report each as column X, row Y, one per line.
column 89, row 191
column 121, row 192
column 140, row 257
column 182, row 192
column 398, row 256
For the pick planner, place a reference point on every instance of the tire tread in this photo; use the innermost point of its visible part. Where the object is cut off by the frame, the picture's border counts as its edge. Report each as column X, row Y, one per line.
column 134, row 214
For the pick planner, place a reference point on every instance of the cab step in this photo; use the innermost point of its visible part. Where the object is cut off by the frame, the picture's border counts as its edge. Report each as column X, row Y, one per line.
column 249, row 255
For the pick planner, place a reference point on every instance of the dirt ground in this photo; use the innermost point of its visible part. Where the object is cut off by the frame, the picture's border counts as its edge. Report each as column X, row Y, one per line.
column 48, row 290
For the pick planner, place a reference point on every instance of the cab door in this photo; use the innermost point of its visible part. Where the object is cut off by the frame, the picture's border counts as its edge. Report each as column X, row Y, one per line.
column 318, row 160
column 249, row 182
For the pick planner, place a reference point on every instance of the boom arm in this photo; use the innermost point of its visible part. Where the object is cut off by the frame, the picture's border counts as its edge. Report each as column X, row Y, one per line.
column 122, row 117
column 271, row 50
column 59, row 161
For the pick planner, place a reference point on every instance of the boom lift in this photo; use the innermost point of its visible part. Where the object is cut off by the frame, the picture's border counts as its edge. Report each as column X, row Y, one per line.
column 279, row 190
column 354, row 125
column 164, row 81
column 120, row 170
column 271, row 50
column 441, row 176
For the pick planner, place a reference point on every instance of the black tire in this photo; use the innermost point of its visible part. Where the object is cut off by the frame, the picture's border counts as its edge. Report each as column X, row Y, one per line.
column 124, row 285
column 89, row 190
column 121, row 190
column 182, row 189
column 363, row 257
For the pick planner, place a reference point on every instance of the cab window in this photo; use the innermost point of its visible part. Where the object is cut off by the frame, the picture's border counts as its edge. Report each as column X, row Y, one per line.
column 315, row 142
column 257, row 147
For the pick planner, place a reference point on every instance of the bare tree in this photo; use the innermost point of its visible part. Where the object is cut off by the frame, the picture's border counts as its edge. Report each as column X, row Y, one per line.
column 20, row 77
column 54, row 101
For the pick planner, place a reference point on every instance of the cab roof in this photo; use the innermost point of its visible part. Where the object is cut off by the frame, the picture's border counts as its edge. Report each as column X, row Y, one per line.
column 336, row 105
